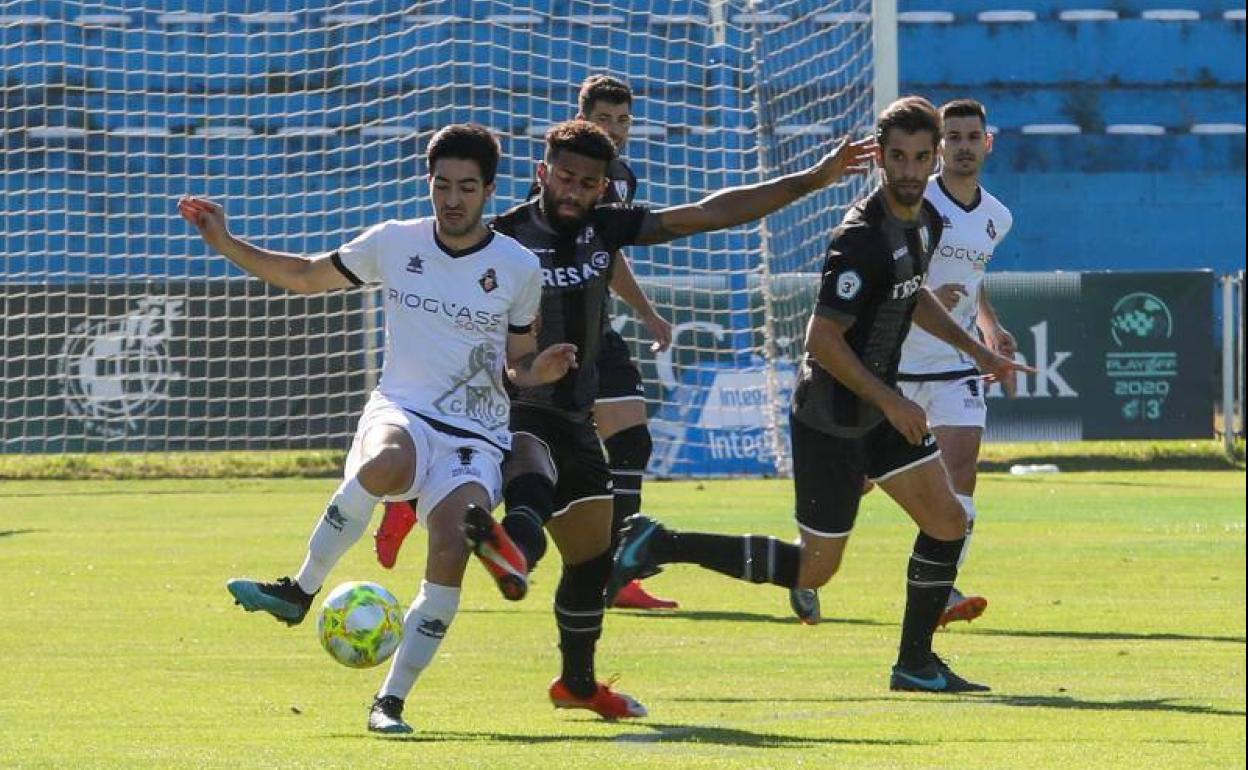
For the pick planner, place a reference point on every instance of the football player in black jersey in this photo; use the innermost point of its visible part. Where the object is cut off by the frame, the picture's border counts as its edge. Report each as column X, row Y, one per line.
column 557, row 476
column 620, row 406
column 848, row 419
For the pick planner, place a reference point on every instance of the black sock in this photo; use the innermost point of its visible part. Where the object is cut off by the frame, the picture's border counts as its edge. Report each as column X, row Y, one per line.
column 578, row 612
column 529, row 501
column 933, row 568
column 756, row 558
column 628, row 452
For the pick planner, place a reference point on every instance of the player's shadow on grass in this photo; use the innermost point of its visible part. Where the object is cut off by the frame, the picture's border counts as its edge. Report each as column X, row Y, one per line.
column 1075, row 704
column 1109, row 636
column 648, row 732
column 744, row 617
column 14, row 532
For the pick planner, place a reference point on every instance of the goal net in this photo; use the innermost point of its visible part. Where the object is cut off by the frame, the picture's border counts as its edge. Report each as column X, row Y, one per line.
column 308, row 122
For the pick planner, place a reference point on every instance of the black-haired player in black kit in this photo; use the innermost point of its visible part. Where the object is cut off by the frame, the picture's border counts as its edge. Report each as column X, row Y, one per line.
column 848, row 419
column 557, row 477
column 620, row 406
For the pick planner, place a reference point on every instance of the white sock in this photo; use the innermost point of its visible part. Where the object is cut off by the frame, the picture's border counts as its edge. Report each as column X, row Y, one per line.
column 426, row 622
column 968, row 505
column 346, row 517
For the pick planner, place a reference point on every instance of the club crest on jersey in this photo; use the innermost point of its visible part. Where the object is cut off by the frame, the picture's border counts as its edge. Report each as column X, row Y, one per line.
column 600, row 260
column 488, row 280
column 415, row 264
column 992, row 230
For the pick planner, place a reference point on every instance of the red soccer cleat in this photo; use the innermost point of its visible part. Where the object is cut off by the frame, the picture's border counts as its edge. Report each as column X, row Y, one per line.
column 497, row 552
column 396, row 522
column 961, row 607
column 634, row 597
column 604, row 702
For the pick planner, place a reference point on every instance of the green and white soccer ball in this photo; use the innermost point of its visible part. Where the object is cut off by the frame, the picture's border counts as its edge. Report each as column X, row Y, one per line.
column 361, row 624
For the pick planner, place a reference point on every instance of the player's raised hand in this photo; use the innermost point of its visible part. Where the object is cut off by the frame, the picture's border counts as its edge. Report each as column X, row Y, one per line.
column 208, row 218
column 847, row 157
column 554, row 362
column 660, row 330
column 950, row 294
column 907, row 417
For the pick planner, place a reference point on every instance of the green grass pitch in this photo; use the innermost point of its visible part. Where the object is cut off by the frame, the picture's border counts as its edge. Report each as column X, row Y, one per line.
column 1114, row 638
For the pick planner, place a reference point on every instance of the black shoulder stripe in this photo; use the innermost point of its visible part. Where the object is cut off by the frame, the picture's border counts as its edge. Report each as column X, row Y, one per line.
column 350, row 276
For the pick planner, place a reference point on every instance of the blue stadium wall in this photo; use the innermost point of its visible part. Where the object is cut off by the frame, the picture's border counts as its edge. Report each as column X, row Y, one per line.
column 1153, row 179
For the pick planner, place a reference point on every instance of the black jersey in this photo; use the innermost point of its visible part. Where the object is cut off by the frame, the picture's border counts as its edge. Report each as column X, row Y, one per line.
column 873, row 270
column 576, row 273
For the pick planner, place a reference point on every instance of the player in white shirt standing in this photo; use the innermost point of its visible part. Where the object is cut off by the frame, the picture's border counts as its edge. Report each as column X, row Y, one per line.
column 933, row 374
column 459, row 302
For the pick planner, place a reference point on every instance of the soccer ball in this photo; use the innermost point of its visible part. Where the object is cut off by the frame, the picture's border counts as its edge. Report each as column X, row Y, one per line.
column 361, row 624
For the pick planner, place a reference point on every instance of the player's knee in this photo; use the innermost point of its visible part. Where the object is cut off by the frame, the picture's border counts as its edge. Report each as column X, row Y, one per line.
column 630, row 448
column 817, row 568
column 388, row 470
column 948, row 520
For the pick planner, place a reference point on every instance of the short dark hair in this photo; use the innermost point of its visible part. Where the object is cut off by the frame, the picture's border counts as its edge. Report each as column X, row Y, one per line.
column 580, row 137
column 964, row 108
column 466, row 141
column 910, row 114
column 603, row 88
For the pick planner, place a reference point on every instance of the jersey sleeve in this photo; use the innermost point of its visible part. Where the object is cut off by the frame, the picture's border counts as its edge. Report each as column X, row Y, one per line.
column 359, row 259
column 524, row 310
column 619, row 225
column 850, row 279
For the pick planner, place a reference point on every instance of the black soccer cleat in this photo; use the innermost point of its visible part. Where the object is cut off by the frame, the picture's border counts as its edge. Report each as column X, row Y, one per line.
column 935, row 677
column 805, row 605
column 284, row 600
column 634, row 558
column 386, row 716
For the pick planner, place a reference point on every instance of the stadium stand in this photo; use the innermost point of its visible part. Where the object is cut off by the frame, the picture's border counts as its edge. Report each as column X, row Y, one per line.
column 1089, row 128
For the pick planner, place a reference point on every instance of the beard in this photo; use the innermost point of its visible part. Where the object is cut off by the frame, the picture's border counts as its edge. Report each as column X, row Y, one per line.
column 563, row 223
column 907, row 193
column 463, row 226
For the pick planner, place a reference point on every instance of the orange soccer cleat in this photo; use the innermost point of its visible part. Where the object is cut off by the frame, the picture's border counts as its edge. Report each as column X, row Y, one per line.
column 396, row 522
column 497, row 552
column 605, row 702
column 961, row 607
column 633, row 596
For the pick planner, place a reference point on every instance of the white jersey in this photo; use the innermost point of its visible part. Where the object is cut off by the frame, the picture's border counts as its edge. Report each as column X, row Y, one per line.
column 447, row 318
column 967, row 242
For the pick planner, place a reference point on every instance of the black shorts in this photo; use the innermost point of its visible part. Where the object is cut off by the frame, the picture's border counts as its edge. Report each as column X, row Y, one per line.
column 619, row 378
column 828, row 471
column 581, row 471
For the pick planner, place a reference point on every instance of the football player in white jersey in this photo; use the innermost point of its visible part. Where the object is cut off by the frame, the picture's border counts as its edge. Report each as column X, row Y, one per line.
column 933, row 374
column 459, row 302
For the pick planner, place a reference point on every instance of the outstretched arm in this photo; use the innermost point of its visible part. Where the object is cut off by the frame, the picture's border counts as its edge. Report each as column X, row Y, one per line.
column 738, row 205
column 299, row 274
column 932, row 316
column 625, row 285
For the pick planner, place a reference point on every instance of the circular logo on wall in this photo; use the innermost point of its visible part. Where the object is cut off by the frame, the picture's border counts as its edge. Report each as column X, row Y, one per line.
column 117, row 370
column 1140, row 317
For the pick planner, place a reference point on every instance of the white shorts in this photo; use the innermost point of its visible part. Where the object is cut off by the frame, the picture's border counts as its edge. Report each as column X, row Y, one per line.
column 443, row 462
column 949, row 403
